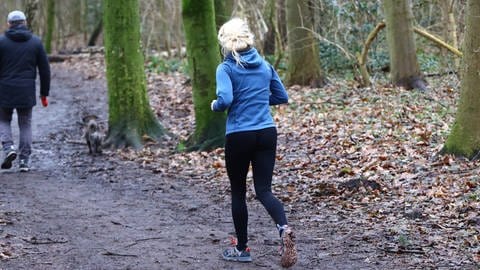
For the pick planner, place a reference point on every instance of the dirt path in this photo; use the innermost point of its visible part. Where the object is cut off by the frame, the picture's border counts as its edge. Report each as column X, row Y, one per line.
column 73, row 211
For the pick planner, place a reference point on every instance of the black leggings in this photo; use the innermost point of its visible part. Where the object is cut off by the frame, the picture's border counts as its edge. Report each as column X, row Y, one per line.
column 257, row 148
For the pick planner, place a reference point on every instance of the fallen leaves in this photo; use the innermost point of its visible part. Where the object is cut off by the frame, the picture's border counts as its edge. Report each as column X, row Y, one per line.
column 5, row 254
column 365, row 158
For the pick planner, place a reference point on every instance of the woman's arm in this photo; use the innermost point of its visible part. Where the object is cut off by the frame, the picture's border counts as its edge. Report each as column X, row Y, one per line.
column 278, row 93
column 224, row 90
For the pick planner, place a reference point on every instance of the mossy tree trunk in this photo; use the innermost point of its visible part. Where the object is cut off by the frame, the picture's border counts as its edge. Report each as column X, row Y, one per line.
column 223, row 11
column 303, row 54
column 203, row 57
column 464, row 138
column 404, row 68
column 130, row 115
column 50, row 25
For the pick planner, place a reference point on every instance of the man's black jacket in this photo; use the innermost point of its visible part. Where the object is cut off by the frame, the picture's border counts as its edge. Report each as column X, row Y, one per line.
column 21, row 53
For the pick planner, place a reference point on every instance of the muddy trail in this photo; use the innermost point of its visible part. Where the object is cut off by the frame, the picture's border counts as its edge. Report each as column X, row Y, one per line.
column 75, row 211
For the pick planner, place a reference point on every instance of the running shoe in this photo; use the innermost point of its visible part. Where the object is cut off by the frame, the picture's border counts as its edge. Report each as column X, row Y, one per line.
column 233, row 254
column 288, row 250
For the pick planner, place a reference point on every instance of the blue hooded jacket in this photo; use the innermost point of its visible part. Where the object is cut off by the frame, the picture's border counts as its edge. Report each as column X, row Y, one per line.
column 247, row 91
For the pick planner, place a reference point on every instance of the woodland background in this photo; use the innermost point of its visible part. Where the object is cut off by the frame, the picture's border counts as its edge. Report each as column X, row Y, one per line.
column 341, row 29
column 363, row 160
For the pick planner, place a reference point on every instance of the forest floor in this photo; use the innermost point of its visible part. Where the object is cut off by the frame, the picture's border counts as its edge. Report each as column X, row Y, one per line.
column 356, row 168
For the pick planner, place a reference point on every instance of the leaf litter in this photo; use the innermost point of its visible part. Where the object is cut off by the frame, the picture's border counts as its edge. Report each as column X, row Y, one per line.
column 362, row 163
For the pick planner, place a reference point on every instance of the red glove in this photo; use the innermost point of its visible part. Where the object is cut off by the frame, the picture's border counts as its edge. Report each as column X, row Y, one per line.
column 44, row 101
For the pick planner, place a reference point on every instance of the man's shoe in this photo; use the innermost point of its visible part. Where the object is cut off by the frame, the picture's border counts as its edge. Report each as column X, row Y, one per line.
column 9, row 157
column 24, row 166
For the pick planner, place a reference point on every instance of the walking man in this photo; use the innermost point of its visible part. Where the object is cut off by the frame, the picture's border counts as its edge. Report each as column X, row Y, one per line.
column 21, row 54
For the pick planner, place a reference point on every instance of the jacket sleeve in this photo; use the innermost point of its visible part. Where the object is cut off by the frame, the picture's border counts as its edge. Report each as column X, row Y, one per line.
column 224, row 90
column 277, row 89
column 43, row 71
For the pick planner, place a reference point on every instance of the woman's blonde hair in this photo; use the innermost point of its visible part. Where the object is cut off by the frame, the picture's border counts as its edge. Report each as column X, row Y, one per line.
column 235, row 36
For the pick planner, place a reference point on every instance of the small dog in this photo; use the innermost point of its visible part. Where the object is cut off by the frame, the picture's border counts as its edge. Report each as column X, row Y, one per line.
column 92, row 134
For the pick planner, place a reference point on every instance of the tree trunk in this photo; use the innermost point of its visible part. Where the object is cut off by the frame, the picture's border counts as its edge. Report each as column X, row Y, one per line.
column 50, row 25
column 282, row 24
column 223, row 11
column 450, row 26
column 82, row 19
column 203, row 58
column 31, row 8
column 130, row 116
column 280, row 32
column 464, row 138
column 269, row 41
column 303, row 55
column 404, row 68
column 92, row 41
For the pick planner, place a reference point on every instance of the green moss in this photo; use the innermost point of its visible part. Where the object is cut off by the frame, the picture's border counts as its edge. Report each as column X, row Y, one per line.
column 460, row 143
column 203, row 58
column 130, row 115
column 50, row 25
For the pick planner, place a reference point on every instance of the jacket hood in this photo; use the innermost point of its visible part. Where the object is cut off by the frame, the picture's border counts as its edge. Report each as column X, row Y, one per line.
column 18, row 33
column 249, row 58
